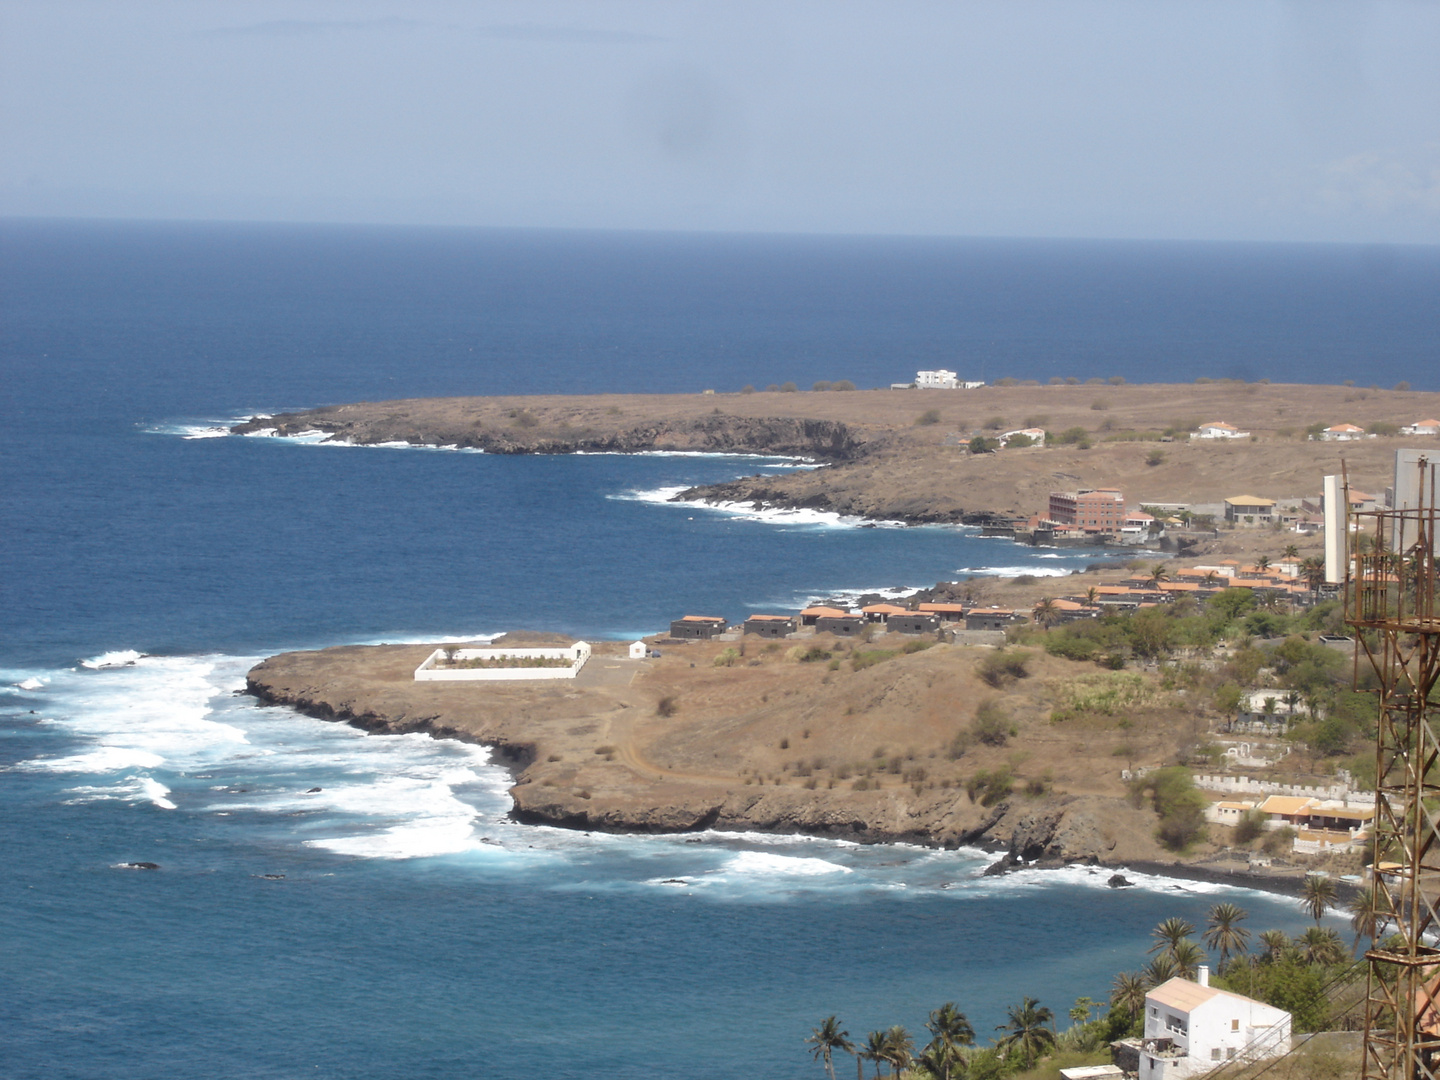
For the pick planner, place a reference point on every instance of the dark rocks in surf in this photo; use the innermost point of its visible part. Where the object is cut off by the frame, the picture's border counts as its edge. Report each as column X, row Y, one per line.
column 140, row 866
column 1120, row 881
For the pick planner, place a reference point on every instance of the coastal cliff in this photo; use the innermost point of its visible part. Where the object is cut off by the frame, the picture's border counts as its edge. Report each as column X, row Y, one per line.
column 524, row 430
column 600, row 756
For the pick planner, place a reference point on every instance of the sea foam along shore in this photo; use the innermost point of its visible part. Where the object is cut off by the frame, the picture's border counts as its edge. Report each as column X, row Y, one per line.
column 667, row 496
column 151, row 730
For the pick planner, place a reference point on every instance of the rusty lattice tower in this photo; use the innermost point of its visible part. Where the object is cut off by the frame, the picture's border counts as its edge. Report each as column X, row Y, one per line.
column 1390, row 603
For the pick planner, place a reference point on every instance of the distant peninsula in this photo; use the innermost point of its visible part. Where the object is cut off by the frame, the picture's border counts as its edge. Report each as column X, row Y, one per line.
column 908, row 455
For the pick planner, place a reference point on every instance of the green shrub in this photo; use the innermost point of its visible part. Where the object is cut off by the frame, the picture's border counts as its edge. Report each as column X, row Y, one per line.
column 843, row 384
column 928, row 417
column 1250, row 826
column 1178, row 803
column 990, row 787
column 862, row 659
column 1003, row 667
column 727, row 657
column 991, row 724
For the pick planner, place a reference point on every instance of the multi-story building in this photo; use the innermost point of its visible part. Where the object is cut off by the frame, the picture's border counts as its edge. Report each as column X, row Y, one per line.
column 1191, row 1028
column 1098, row 510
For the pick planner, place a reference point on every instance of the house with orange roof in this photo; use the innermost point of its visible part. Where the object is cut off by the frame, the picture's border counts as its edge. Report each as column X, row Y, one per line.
column 945, row 612
column 841, row 624
column 913, row 622
column 882, row 612
column 770, row 626
column 1191, row 1028
column 1219, row 430
column 994, row 618
column 1342, row 433
column 1422, row 427
column 811, row 615
column 697, row 627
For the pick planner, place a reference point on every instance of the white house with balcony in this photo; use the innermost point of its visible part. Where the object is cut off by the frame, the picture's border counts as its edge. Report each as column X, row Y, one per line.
column 1219, row 430
column 936, row 380
column 1191, row 1027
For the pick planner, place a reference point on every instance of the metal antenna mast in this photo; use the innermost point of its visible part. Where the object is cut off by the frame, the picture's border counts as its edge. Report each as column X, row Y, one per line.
column 1390, row 602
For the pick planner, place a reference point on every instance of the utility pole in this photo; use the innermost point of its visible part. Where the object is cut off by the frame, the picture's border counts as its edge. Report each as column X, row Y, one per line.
column 1390, row 602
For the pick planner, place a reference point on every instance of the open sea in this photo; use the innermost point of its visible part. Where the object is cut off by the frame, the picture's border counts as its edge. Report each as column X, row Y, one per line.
column 396, row 924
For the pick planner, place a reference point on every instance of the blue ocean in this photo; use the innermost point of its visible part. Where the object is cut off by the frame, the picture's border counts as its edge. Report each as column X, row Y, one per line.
column 396, row 924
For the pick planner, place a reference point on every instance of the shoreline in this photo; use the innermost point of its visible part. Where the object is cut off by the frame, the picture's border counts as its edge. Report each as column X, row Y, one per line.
column 1051, row 834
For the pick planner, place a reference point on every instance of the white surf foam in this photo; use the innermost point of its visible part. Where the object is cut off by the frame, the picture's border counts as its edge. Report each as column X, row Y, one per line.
column 103, row 759
column 132, row 789
column 781, row 461
column 1015, row 571
column 665, row 496
column 119, row 658
column 766, row 863
column 32, row 683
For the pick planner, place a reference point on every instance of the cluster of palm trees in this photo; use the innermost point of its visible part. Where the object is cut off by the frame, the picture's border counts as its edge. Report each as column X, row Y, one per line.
column 1178, row 955
column 1028, row 1032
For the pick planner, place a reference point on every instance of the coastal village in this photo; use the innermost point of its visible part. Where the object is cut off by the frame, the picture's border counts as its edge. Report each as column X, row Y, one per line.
column 1178, row 706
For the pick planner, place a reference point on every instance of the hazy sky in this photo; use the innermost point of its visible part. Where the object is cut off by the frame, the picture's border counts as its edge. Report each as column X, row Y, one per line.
column 1312, row 119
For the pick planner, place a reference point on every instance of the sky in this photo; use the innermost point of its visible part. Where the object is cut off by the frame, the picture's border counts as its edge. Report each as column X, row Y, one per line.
column 1310, row 120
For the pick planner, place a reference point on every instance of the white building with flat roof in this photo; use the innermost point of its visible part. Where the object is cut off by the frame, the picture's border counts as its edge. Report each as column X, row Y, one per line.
column 1219, row 430
column 936, row 380
column 1191, row 1027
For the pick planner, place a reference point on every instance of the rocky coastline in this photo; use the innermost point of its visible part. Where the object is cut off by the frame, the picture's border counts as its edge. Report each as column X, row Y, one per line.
column 567, row 774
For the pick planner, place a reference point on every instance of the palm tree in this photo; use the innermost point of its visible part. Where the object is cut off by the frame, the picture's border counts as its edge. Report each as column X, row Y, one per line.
column 1318, row 897
column 1368, row 914
column 1275, row 943
column 827, row 1038
column 1225, row 934
column 1046, row 613
column 1313, row 571
column 1291, row 552
column 949, row 1026
column 1091, row 594
column 940, row 1059
column 1025, row 1031
column 1321, row 946
column 1170, row 933
column 1158, row 573
column 1262, row 563
column 1080, row 1011
column 1128, row 992
column 1160, row 970
column 873, row 1050
column 899, row 1049
column 1187, row 957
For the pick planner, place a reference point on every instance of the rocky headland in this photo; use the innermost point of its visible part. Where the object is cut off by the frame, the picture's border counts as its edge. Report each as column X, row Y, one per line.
column 903, row 455
column 774, row 743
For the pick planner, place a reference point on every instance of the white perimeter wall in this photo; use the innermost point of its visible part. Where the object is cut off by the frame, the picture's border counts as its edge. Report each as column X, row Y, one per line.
column 577, row 654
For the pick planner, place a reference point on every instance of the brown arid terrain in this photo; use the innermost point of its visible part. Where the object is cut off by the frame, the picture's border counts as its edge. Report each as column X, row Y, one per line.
column 902, row 454
column 845, row 745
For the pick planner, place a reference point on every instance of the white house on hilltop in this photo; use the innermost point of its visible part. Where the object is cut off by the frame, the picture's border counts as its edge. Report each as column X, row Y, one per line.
column 936, row 380
column 1191, row 1027
column 1219, row 430
column 1342, row 433
column 943, row 380
column 1422, row 427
